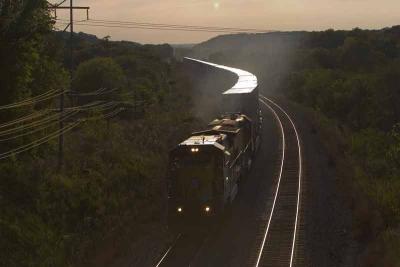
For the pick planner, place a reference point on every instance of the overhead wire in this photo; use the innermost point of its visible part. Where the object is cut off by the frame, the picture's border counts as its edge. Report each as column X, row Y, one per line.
column 33, row 100
column 86, row 106
column 106, row 116
column 55, row 134
column 50, row 123
column 35, row 125
column 46, row 112
column 29, row 99
column 173, row 25
column 38, row 129
column 39, row 142
column 99, row 92
column 155, row 28
column 97, row 106
column 158, row 26
column 24, row 118
column 55, row 117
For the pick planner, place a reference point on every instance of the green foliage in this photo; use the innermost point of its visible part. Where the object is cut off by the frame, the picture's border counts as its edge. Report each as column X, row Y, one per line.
column 98, row 73
column 28, row 62
column 393, row 153
column 353, row 78
column 114, row 169
column 370, row 146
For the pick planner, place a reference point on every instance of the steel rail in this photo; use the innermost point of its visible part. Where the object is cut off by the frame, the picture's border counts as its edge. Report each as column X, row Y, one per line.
column 168, row 250
column 279, row 181
column 300, row 178
column 291, row 195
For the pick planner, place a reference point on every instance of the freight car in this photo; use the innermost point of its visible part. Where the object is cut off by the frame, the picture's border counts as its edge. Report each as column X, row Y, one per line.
column 205, row 170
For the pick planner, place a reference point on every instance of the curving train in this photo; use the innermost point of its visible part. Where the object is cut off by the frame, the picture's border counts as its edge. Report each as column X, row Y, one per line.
column 205, row 170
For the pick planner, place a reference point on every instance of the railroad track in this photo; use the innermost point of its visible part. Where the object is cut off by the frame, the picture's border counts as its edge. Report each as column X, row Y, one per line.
column 185, row 249
column 278, row 242
column 279, row 230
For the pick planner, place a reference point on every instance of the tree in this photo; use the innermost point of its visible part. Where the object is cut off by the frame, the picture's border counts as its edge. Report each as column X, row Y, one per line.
column 99, row 73
column 28, row 66
column 394, row 151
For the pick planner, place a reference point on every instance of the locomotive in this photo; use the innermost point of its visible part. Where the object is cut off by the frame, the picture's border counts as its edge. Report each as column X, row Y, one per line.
column 205, row 170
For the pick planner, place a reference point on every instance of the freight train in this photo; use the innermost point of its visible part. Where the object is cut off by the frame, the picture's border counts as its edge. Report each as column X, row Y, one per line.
column 205, row 170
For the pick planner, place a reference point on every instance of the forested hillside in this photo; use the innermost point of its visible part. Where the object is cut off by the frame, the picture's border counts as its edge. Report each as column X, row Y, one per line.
column 351, row 80
column 129, row 104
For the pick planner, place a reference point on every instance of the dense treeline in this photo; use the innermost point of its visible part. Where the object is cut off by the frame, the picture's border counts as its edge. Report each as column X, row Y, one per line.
column 353, row 79
column 112, row 180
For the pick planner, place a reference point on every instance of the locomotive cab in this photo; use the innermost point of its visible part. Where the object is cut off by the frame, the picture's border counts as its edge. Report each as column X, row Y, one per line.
column 195, row 184
column 204, row 170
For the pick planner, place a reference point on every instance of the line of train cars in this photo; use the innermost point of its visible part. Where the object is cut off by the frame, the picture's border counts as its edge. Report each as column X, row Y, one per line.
column 205, row 170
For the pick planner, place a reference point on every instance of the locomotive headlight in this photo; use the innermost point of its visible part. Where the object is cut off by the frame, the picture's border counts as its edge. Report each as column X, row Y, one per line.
column 207, row 209
column 179, row 209
column 194, row 150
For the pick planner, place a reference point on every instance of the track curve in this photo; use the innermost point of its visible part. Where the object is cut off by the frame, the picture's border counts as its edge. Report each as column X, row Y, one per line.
column 278, row 246
column 277, row 241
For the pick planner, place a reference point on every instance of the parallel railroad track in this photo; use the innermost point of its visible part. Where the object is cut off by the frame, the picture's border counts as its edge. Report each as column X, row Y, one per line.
column 185, row 249
column 280, row 227
column 278, row 240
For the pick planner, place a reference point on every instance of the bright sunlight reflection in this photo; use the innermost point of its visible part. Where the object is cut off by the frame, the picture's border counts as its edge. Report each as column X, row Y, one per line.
column 216, row 5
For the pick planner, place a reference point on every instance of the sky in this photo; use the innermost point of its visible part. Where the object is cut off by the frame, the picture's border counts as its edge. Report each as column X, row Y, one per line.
column 281, row 15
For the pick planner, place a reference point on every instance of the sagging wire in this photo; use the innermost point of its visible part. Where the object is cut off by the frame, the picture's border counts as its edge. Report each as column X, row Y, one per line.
column 34, row 100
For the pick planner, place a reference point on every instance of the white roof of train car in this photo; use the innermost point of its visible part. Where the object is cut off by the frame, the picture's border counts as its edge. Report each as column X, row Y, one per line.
column 202, row 140
column 246, row 82
column 205, row 140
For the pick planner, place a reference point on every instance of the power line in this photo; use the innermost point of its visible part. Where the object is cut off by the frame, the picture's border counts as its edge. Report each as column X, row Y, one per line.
column 46, row 112
column 151, row 28
column 23, row 119
column 56, row 134
column 66, row 117
column 34, row 100
column 38, row 142
column 176, row 25
column 99, row 106
column 106, row 116
column 37, row 130
column 169, row 27
column 87, row 106
column 35, row 124
column 28, row 101
column 99, row 92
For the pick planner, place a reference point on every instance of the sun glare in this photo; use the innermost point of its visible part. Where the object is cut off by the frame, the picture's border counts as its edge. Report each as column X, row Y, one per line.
column 216, row 5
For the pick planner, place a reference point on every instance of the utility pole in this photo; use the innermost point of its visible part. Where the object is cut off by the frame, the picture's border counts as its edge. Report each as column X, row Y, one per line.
column 71, row 67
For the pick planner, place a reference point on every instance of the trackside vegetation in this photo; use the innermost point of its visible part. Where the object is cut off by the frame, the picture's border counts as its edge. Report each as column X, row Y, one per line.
column 352, row 79
column 113, row 173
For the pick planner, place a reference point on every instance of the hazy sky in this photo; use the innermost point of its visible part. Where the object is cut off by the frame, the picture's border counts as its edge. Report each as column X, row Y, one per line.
column 260, row 14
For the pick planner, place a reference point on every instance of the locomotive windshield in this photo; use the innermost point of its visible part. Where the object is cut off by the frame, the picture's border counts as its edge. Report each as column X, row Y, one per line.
column 193, row 177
